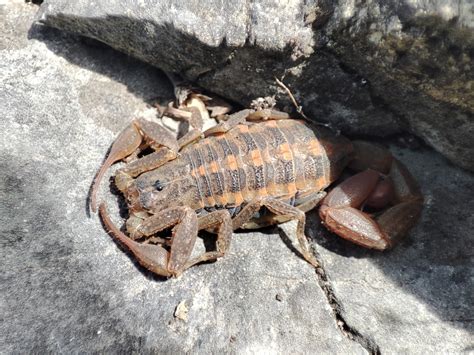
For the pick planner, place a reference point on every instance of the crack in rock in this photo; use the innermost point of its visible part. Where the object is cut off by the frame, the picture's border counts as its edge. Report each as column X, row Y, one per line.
column 337, row 309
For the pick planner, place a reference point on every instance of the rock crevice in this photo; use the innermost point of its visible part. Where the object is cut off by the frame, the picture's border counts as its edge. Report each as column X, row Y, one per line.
column 417, row 57
column 338, row 311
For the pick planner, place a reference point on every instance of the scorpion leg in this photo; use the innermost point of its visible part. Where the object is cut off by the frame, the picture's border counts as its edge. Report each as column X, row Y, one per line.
column 125, row 175
column 283, row 212
column 221, row 221
column 341, row 214
column 400, row 218
column 192, row 136
column 154, row 257
column 128, row 142
column 155, row 135
column 244, row 116
column 233, row 120
column 192, row 110
column 370, row 156
column 305, row 202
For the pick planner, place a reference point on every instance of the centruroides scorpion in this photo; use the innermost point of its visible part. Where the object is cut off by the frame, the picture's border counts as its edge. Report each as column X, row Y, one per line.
column 255, row 168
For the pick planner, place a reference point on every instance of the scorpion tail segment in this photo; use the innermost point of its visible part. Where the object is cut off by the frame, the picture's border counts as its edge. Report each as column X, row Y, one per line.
column 400, row 218
column 340, row 213
column 353, row 191
column 355, row 226
column 127, row 142
column 406, row 187
column 370, row 156
column 152, row 257
column 381, row 233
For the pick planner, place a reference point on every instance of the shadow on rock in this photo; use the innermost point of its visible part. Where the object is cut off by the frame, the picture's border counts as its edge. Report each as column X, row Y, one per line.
column 141, row 79
column 46, row 275
column 199, row 67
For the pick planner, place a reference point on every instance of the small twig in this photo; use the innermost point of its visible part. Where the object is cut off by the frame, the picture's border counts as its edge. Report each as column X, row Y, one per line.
column 299, row 109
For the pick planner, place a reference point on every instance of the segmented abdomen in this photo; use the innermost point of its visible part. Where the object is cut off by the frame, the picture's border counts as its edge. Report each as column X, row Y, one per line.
column 281, row 159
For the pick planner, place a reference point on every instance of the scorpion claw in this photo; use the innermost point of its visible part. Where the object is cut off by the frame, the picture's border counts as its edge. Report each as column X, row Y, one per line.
column 152, row 257
column 126, row 143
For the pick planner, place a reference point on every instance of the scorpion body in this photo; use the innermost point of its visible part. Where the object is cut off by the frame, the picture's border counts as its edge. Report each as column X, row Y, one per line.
column 254, row 169
column 283, row 159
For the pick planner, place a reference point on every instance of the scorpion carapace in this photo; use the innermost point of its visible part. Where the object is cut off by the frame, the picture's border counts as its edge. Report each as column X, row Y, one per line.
column 250, row 160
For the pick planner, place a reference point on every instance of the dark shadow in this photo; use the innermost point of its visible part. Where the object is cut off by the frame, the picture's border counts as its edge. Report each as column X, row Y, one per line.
column 141, row 79
column 40, row 262
column 198, row 67
column 289, row 243
column 443, row 238
column 121, row 201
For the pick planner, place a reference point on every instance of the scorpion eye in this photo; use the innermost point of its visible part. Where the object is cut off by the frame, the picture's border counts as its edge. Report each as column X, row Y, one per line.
column 158, row 185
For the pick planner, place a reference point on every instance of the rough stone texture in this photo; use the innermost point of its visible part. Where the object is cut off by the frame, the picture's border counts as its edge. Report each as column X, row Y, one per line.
column 369, row 67
column 67, row 287
column 417, row 297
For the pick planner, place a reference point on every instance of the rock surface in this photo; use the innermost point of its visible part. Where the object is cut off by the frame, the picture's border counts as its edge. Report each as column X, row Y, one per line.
column 67, row 287
column 368, row 67
column 417, row 296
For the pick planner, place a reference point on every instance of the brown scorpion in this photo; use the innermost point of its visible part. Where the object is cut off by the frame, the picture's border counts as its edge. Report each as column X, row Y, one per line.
column 255, row 168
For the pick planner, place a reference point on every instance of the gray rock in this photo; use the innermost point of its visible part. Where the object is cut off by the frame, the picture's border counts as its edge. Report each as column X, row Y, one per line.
column 67, row 287
column 370, row 68
column 416, row 298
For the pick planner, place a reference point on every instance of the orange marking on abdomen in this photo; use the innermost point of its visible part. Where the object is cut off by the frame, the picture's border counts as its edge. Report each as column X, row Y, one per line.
column 243, row 128
column 214, row 167
column 315, row 147
column 256, row 158
column 238, row 198
column 202, row 171
column 321, row 183
column 210, row 201
column 285, row 151
column 271, row 189
column 300, row 181
column 232, row 162
column 292, row 190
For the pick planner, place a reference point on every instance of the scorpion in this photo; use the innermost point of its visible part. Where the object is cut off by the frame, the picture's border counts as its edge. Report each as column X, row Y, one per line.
column 255, row 168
